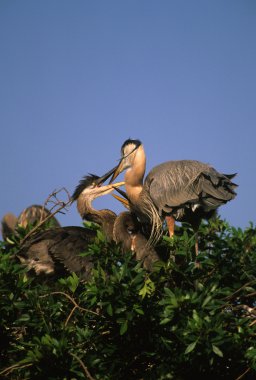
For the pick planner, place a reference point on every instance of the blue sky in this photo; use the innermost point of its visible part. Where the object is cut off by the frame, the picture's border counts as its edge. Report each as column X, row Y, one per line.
column 77, row 78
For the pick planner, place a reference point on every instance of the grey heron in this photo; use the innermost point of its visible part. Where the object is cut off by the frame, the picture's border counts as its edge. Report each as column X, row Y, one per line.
column 31, row 215
column 185, row 190
column 56, row 248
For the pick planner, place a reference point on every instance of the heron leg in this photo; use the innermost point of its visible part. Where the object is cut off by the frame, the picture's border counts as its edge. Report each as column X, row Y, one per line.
column 170, row 221
column 133, row 245
column 195, row 227
column 196, row 243
column 197, row 263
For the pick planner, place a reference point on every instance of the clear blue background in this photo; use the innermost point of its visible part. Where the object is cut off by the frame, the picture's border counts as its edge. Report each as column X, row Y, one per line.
column 77, row 78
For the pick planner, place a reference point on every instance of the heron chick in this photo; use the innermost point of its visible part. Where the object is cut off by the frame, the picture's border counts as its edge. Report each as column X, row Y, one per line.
column 31, row 215
column 57, row 250
column 185, row 190
column 123, row 228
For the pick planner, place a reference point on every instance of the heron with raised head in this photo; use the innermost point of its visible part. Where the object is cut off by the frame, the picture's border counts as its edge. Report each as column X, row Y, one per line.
column 58, row 249
column 185, row 190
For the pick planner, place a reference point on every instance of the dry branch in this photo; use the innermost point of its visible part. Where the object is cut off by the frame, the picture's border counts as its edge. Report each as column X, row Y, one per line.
column 87, row 373
column 52, row 198
column 76, row 306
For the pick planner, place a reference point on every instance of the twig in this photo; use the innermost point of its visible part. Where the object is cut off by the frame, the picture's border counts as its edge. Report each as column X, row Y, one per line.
column 87, row 373
column 70, row 315
column 76, row 306
column 61, row 204
column 52, row 198
column 13, row 367
column 238, row 290
column 243, row 374
column 250, row 294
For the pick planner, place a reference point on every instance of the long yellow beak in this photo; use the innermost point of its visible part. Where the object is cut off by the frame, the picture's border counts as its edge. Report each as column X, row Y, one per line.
column 111, row 186
column 118, row 184
column 124, row 201
column 117, row 170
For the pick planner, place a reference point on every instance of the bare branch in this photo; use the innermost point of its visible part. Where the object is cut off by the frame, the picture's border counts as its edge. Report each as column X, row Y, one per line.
column 8, row 370
column 243, row 374
column 87, row 373
column 70, row 315
column 253, row 294
column 76, row 306
column 238, row 290
column 58, row 205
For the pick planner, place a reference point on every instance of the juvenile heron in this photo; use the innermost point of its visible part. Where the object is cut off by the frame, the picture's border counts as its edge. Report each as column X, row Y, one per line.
column 31, row 215
column 124, row 228
column 34, row 215
column 128, row 231
column 8, row 224
column 186, row 190
column 51, row 251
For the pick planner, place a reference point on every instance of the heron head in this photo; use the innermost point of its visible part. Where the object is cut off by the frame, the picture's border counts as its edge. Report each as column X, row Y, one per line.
column 91, row 186
column 8, row 223
column 125, row 230
column 128, row 153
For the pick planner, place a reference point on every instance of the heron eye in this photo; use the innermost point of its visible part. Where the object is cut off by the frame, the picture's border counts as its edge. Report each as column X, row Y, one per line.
column 130, row 230
column 36, row 259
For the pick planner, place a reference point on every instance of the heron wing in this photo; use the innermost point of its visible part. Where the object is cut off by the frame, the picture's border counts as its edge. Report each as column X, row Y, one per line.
column 62, row 244
column 68, row 250
column 175, row 184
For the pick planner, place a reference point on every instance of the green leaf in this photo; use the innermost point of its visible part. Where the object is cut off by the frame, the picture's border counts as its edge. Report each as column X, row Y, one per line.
column 100, row 236
column 124, row 327
column 24, row 318
column 190, row 347
column 148, row 288
column 73, row 282
column 165, row 321
column 11, row 296
column 217, row 351
column 10, row 241
column 110, row 310
column 143, row 292
column 207, row 299
column 138, row 310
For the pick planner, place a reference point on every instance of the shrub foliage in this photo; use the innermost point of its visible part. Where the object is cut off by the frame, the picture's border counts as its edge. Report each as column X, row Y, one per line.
column 184, row 320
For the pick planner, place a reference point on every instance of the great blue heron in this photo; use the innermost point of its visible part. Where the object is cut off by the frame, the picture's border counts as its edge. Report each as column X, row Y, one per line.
column 50, row 251
column 124, row 228
column 185, row 190
column 128, row 231
column 31, row 215
column 8, row 224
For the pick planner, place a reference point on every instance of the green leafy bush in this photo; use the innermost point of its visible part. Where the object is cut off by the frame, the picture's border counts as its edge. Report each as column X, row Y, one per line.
column 187, row 319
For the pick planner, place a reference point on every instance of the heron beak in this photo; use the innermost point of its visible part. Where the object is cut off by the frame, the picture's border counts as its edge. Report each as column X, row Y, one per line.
column 107, row 188
column 103, row 178
column 124, row 202
column 117, row 170
column 123, row 199
column 123, row 193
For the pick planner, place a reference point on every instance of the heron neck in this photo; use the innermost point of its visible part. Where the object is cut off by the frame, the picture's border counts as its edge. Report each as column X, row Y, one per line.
column 135, row 174
column 133, row 191
column 84, row 206
column 105, row 218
